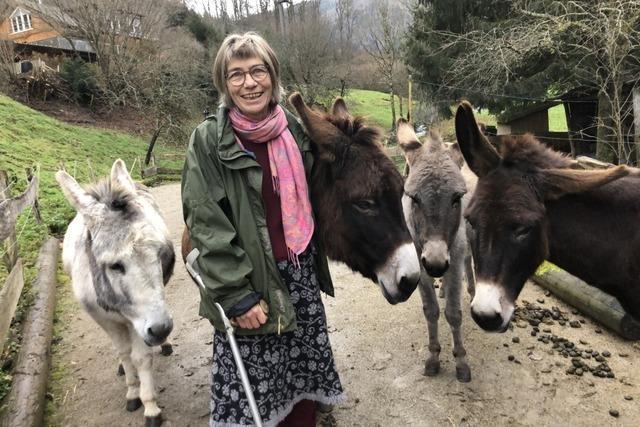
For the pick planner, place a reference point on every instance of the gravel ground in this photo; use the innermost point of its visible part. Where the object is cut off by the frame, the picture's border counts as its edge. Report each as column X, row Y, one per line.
column 380, row 351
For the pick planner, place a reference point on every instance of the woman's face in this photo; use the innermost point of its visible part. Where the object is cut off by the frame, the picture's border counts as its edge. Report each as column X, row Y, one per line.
column 254, row 95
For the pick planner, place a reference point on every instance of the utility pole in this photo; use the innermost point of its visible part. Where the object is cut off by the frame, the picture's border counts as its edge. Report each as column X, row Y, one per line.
column 409, row 117
column 282, row 19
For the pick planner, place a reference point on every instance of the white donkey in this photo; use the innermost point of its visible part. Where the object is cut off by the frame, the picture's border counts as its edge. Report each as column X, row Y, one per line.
column 119, row 255
column 432, row 205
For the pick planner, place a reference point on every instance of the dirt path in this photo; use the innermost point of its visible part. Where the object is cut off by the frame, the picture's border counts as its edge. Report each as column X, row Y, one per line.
column 380, row 352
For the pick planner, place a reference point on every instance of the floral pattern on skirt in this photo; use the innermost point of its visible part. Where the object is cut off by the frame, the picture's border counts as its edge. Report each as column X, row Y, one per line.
column 283, row 369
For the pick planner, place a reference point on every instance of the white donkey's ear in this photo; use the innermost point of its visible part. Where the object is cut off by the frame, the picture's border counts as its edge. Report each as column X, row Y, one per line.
column 82, row 201
column 120, row 177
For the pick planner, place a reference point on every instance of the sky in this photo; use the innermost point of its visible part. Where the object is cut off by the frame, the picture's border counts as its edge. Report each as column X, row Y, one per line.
column 201, row 5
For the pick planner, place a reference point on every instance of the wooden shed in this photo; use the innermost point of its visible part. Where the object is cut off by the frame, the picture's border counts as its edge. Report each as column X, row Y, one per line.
column 533, row 118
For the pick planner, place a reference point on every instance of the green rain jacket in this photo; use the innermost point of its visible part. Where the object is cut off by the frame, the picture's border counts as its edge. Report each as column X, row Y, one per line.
column 222, row 206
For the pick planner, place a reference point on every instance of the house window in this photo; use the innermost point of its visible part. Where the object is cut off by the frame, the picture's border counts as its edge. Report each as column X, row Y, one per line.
column 20, row 21
column 136, row 27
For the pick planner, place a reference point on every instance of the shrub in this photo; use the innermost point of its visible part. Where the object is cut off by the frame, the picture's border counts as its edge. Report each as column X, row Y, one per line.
column 81, row 80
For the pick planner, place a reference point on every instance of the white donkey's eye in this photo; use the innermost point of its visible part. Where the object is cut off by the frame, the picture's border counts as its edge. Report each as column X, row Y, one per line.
column 117, row 266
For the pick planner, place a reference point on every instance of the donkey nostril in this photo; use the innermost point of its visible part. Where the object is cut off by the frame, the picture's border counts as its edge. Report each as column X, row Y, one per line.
column 437, row 271
column 407, row 286
column 160, row 330
column 423, row 260
column 488, row 322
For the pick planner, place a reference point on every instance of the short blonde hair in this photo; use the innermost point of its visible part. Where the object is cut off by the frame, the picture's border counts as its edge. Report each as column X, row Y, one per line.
column 242, row 46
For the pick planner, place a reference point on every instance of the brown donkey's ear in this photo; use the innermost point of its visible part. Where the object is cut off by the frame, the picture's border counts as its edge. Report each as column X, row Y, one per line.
column 408, row 140
column 325, row 135
column 559, row 182
column 339, row 108
column 476, row 148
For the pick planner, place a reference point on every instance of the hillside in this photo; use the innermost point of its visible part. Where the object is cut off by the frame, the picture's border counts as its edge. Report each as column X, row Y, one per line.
column 31, row 139
column 375, row 106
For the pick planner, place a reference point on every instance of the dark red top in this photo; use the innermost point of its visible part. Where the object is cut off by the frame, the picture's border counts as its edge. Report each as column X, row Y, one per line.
column 270, row 200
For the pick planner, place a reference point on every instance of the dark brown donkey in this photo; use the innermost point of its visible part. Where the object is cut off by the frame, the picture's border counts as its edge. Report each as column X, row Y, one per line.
column 356, row 193
column 530, row 206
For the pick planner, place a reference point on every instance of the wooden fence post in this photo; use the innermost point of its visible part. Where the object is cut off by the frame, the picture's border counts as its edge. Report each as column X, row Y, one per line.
column 10, row 257
column 636, row 122
column 36, row 205
column 9, row 296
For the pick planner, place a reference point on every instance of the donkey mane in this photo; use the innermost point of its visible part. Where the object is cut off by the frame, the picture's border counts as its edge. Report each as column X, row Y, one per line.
column 356, row 129
column 527, row 150
column 115, row 196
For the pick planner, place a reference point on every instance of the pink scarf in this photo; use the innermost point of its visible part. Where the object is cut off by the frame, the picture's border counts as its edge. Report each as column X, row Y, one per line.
column 287, row 173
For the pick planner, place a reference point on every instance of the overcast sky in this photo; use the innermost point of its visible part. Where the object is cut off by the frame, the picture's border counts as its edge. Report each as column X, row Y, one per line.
column 202, row 5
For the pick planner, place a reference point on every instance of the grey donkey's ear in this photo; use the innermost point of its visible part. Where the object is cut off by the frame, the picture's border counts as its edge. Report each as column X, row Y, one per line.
column 476, row 148
column 455, row 154
column 408, row 140
column 79, row 198
column 120, row 177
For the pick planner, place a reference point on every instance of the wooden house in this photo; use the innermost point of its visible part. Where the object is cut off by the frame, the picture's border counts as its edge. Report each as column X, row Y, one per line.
column 31, row 28
column 27, row 24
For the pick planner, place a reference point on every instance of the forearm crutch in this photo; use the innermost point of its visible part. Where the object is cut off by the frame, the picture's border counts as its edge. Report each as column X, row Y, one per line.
column 192, row 269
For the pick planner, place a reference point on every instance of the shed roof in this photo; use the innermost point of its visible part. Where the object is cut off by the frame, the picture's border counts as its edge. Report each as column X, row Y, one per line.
column 516, row 113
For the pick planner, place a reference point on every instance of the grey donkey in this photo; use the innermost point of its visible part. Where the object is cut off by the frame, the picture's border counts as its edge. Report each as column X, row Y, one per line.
column 433, row 205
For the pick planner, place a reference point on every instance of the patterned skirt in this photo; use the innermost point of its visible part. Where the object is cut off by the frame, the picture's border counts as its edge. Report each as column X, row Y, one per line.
column 283, row 369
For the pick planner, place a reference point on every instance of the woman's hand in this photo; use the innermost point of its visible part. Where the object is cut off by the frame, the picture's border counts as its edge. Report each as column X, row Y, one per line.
column 252, row 319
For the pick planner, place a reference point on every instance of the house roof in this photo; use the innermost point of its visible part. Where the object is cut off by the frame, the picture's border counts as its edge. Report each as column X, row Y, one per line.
column 60, row 42
column 516, row 113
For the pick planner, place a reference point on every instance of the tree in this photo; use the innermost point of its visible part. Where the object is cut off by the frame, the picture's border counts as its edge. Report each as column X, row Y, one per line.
column 540, row 49
column 116, row 29
column 384, row 47
column 169, row 86
column 345, row 22
column 148, row 58
column 306, row 53
column 437, row 37
column 8, row 77
column 202, row 27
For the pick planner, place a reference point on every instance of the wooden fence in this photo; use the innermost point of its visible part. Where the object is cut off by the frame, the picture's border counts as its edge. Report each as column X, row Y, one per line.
column 10, row 292
column 152, row 169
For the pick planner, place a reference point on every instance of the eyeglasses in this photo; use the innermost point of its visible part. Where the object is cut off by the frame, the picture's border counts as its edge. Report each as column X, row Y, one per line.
column 238, row 77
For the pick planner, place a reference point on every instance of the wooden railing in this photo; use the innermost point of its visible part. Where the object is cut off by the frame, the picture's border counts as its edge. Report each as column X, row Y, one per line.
column 12, row 288
column 152, row 169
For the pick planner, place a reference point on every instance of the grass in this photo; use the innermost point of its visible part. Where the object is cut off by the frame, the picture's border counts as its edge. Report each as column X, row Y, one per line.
column 31, row 139
column 376, row 106
column 557, row 119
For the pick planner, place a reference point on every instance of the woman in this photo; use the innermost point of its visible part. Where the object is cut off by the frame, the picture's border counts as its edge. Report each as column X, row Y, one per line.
column 246, row 204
